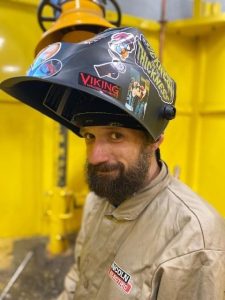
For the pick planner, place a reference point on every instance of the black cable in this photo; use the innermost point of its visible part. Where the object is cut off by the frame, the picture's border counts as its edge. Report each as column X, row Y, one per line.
column 57, row 9
column 119, row 14
column 41, row 19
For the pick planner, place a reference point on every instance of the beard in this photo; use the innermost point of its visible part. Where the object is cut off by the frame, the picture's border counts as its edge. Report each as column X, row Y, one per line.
column 113, row 182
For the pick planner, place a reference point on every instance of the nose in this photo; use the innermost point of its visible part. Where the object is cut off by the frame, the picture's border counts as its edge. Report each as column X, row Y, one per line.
column 98, row 152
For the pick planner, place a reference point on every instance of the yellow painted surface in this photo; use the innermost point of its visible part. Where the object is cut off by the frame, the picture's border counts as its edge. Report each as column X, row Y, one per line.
column 197, row 135
column 19, row 34
column 28, row 139
column 197, row 8
column 20, row 127
column 20, row 164
column 194, row 55
column 197, row 26
column 210, row 179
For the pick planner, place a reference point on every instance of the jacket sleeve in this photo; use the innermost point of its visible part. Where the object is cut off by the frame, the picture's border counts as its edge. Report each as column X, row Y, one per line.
column 72, row 277
column 199, row 275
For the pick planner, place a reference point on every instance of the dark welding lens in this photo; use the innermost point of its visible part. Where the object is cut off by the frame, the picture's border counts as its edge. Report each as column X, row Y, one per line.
column 53, row 97
column 75, row 103
column 69, row 107
column 58, row 99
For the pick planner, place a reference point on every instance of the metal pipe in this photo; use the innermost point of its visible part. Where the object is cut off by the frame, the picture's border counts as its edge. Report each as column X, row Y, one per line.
column 16, row 274
column 162, row 32
column 59, row 198
column 62, row 157
column 197, row 8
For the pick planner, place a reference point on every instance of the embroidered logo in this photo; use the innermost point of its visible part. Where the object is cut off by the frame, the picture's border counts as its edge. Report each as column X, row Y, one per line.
column 120, row 277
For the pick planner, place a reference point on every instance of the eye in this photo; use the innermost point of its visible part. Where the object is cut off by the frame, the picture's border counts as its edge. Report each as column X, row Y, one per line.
column 88, row 136
column 116, row 136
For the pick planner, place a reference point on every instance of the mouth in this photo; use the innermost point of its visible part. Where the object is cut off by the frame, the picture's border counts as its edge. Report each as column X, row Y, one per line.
column 110, row 174
column 108, row 171
column 105, row 172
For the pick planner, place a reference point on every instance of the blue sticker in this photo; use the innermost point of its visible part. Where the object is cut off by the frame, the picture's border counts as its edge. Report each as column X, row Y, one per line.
column 47, row 53
column 46, row 69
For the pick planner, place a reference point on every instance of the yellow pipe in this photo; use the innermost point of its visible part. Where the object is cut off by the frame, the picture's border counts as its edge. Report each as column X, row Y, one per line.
column 61, row 201
column 197, row 9
column 60, row 212
column 206, row 8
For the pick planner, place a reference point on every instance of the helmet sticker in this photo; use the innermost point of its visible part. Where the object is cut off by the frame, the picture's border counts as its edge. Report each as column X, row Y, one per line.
column 110, row 70
column 44, row 66
column 46, row 54
column 98, row 84
column 137, row 95
column 150, row 64
column 120, row 46
column 46, row 69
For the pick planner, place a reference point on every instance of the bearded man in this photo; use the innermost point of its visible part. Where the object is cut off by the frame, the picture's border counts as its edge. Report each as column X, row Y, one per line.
column 144, row 234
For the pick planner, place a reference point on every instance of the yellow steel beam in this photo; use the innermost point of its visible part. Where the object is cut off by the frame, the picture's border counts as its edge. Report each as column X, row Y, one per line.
column 197, row 8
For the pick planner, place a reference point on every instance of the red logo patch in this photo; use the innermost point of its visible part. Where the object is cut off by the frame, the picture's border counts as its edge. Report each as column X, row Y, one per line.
column 120, row 277
column 98, row 84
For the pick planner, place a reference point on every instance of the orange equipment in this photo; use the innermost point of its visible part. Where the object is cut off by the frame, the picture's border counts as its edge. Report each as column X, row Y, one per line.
column 73, row 20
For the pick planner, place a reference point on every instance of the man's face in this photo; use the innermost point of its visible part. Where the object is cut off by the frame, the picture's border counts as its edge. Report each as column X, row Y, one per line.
column 117, row 161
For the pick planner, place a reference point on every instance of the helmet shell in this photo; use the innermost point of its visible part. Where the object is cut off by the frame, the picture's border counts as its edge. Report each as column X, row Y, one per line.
column 117, row 66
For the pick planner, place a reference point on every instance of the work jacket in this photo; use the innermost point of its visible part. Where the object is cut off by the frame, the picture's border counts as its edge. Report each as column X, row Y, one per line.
column 164, row 243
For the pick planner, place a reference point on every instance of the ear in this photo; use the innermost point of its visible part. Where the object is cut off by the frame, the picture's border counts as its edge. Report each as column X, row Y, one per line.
column 159, row 141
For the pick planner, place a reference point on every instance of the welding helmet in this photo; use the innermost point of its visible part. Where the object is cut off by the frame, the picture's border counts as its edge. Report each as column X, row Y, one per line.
column 113, row 79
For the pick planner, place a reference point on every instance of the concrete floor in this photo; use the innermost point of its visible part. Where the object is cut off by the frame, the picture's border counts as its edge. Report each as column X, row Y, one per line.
column 42, row 278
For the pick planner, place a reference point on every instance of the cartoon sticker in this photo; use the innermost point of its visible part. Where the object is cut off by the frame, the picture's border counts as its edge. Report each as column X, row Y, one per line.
column 151, row 66
column 122, row 43
column 110, row 70
column 46, row 69
column 120, row 46
column 137, row 95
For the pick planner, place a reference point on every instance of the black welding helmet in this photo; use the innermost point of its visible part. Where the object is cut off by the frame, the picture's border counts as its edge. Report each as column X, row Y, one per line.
column 112, row 79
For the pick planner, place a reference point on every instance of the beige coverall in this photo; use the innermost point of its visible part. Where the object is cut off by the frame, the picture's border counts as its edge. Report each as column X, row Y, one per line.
column 164, row 243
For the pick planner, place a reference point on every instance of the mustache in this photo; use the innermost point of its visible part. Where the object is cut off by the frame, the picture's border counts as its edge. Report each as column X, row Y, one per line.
column 104, row 167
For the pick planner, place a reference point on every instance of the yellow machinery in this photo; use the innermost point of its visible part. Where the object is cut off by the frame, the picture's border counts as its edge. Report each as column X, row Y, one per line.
column 72, row 21
column 32, row 203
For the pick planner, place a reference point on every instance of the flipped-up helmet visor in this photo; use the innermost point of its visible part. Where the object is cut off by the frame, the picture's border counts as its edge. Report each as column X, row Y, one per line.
column 95, row 80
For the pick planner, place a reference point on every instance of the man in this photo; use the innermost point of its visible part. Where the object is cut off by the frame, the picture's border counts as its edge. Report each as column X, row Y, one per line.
column 144, row 234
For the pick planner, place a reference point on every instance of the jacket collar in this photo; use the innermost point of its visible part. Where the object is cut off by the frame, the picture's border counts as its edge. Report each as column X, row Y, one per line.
column 131, row 208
